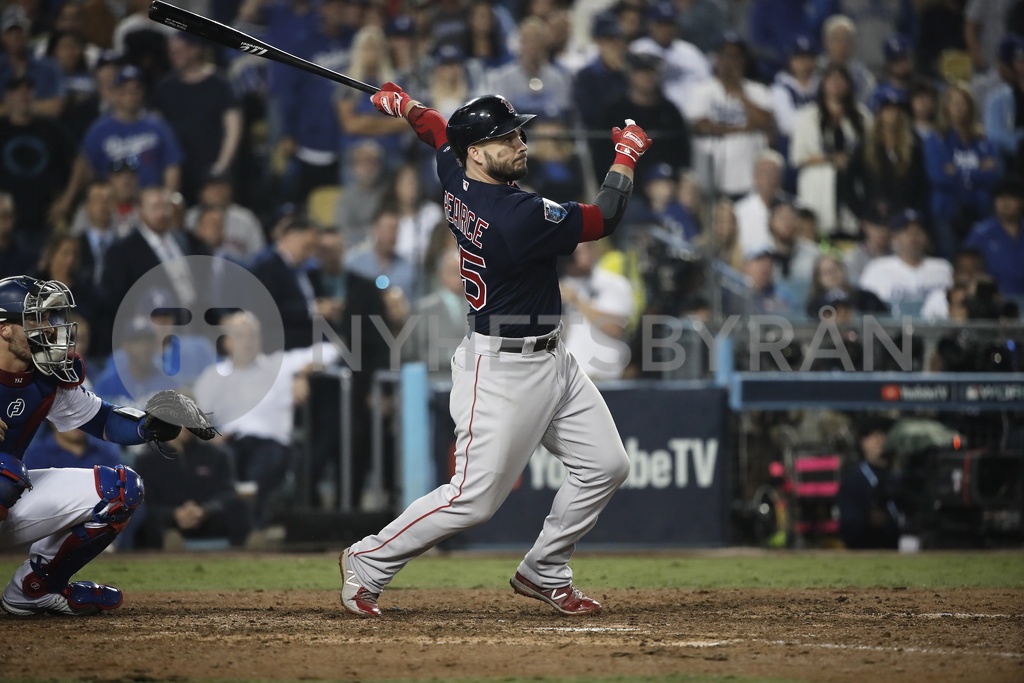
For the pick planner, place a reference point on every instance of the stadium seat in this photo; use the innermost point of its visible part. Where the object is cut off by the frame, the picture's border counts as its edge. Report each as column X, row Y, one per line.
column 956, row 66
column 322, row 202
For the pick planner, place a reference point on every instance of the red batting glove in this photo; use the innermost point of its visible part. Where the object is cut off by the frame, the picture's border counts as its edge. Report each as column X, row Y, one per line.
column 390, row 100
column 630, row 144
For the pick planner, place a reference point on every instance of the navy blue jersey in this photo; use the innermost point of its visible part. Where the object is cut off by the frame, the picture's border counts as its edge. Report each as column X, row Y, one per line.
column 27, row 398
column 508, row 242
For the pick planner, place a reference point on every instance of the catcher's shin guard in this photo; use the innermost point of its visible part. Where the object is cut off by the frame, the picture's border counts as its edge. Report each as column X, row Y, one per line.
column 121, row 491
column 85, row 542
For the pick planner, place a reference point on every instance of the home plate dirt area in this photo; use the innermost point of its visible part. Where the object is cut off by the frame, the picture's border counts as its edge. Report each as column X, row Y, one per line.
column 816, row 635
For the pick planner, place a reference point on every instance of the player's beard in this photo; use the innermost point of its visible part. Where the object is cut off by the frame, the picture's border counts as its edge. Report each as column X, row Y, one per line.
column 18, row 346
column 506, row 171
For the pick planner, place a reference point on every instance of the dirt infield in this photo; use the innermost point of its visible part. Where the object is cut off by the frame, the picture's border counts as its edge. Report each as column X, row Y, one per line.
column 815, row 635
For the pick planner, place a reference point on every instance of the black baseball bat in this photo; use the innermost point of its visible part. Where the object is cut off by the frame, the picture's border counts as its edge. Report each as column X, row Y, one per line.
column 198, row 25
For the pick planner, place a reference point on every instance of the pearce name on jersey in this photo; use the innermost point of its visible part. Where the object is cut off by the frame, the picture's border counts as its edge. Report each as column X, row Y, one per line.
column 464, row 219
column 508, row 242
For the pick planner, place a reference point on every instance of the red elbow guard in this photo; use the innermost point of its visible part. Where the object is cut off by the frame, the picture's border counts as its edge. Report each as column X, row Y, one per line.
column 593, row 223
column 429, row 125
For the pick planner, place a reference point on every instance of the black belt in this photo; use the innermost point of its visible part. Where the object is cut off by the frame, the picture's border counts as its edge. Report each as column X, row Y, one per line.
column 546, row 343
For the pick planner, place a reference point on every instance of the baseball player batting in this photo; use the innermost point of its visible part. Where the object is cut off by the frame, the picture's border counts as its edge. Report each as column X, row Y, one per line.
column 67, row 515
column 514, row 384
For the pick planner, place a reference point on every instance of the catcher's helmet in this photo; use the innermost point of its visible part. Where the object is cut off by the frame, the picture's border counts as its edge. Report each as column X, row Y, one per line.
column 42, row 308
column 482, row 118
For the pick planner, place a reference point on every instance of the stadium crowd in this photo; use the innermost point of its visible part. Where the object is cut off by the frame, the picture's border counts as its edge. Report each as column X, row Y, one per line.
column 859, row 155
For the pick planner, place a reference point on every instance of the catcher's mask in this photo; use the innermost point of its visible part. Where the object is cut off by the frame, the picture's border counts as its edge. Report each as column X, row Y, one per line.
column 42, row 308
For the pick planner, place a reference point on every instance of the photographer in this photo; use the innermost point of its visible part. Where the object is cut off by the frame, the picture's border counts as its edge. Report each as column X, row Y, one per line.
column 868, row 517
column 968, row 350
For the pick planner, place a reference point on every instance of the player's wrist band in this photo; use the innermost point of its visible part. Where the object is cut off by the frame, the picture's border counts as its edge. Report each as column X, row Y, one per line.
column 625, row 160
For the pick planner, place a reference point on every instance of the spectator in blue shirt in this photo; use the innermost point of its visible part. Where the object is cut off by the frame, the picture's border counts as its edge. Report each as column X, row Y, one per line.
column 774, row 23
column 1000, row 239
column 17, row 60
column 604, row 79
column 132, row 375
column 658, row 204
column 701, row 22
column 963, row 169
column 357, row 116
column 766, row 295
column 518, row 81
column 127, row 134
column 1002, row 119
column 899, row 71
column 76, row 449
column 375, row 259
column 556, row 170
column 310, row 133
column 288, row 22
column 51, row 448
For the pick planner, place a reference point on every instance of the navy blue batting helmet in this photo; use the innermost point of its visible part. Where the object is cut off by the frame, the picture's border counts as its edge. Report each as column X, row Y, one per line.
column 480, row 119
column 42, row 307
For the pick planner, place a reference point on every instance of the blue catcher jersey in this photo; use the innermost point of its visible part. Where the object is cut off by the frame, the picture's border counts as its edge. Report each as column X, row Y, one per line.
column 508, row 241
column 27, row 398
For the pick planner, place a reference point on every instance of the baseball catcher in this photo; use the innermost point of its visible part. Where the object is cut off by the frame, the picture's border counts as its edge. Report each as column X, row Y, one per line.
column 67, row 515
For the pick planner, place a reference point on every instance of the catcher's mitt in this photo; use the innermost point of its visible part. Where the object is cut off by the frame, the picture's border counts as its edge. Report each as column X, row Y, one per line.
column 168, row 411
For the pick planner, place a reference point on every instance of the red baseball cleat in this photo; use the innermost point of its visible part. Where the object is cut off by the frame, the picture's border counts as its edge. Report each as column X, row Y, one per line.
column 567, row 600
column 355, row 598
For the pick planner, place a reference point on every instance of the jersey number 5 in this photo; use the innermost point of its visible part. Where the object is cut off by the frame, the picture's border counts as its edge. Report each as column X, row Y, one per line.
column 470, row 268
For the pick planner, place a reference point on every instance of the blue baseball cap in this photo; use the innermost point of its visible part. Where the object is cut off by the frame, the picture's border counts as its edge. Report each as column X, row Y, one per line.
column 128, row 73
column 401, row 25
column 606, row 25
column 15, row 17
column 156, row 300
column 109, row 57
column 662, row 171
column 447, row 53
column 1011, row 48
column 640, row 61
column 732, row 38
column 904, row 218
column 889, row 96
column 139, row 328
column 896, row 47
column 802, row 46
column 662, row 12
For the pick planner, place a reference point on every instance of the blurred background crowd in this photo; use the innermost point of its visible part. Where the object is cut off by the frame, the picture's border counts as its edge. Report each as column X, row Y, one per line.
column 811, row 158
